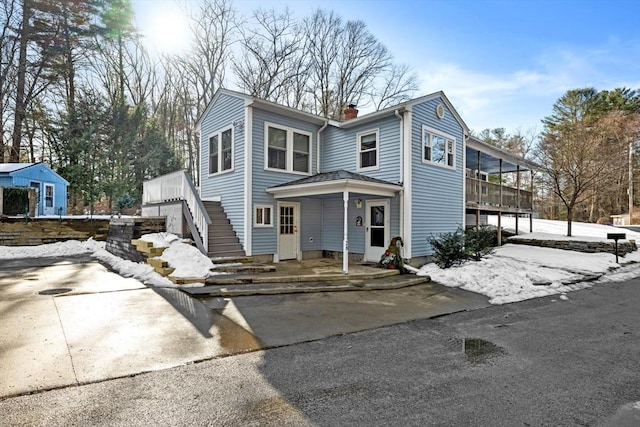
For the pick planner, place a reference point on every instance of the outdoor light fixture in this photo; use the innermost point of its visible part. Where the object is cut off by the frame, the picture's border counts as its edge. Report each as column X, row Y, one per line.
column 358, row 203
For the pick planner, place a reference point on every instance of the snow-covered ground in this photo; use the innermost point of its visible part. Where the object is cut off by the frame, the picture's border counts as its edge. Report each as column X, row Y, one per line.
column 512, row 273
column 187, row 260
column 517, row 272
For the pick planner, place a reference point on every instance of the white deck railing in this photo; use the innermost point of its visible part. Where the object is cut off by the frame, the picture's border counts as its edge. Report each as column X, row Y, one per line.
column 178, row 186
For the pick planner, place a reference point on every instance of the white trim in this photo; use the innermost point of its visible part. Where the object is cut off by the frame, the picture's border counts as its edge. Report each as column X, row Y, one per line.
column 359, row 168
column 233, row 151
column 324, row 126
column 408, row 183
column 255, row 216
column 345, row 232
column 337, row 186
column 248, row 177
column 387, row 224
column 45, row 208
column 288, row 148
column 464, row 183
column 296, row 220
column 448, row 138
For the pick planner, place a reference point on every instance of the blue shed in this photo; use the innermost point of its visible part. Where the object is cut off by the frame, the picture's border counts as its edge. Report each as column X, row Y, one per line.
column 52, row 188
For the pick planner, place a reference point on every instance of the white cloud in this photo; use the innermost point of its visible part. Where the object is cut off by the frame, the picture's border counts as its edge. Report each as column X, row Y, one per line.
column 521, row 98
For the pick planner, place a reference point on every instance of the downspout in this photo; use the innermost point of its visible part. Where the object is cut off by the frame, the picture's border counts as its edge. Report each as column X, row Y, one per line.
column 401, row 201
column 324, row 126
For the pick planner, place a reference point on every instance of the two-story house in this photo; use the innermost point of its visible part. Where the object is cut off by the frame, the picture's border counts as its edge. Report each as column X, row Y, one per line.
column 293, row 185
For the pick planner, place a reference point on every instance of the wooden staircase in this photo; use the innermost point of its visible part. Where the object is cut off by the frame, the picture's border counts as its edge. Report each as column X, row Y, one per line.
column 223, row 241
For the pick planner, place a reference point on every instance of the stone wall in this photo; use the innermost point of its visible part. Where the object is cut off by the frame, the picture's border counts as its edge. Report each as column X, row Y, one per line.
column 624, row 247
column 18, row 232
column 123, row 230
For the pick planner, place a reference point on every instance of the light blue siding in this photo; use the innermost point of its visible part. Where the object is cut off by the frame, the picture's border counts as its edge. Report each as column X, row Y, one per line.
column 340, row 149
column 437, row 192
column 41, row 174
column 229, row 186
column 265, row 239
column 310, row 224
column 333, row 226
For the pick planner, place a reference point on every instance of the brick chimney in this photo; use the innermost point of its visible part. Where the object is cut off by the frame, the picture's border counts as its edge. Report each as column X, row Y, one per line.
column 351, row 112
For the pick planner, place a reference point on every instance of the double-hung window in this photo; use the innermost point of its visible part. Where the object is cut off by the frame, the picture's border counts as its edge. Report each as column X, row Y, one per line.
column 287, row 149
column 438, row 148
column 368, row 150
column 263, row 216
column 221, row 151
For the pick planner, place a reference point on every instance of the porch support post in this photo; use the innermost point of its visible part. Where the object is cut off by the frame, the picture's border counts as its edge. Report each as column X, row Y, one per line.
column 345, row 238
column 479, row 190
column 517, row 196
column 500, row 206
column 531, row 213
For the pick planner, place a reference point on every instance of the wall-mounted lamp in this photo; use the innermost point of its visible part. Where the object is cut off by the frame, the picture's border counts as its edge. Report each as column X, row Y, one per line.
column 358, row 203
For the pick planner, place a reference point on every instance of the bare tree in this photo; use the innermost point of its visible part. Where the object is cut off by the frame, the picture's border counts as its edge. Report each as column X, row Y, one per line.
column 394, row 86
column 272, row 57
column 8, row 50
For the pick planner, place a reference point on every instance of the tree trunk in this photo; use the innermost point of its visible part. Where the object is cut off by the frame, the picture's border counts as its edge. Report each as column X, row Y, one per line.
column 569, row 219
column 14, row 154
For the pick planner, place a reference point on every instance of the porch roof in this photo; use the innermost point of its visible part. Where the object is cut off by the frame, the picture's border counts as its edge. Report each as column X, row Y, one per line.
column 334, row 182
column 490, row 158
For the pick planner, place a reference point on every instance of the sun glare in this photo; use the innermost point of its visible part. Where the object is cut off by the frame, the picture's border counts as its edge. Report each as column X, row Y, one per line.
column 167, row 31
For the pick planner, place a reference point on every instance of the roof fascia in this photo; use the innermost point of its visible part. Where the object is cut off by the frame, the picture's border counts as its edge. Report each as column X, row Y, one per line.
column 440, row 94
column 337, row 186
column 476, row 144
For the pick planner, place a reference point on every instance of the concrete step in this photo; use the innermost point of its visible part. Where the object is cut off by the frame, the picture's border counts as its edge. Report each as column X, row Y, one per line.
column 241, row 287
column 233, row 260
column 245, row 268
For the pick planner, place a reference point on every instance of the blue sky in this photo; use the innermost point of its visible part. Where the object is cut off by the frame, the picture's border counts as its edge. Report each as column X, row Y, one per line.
column 502, row 63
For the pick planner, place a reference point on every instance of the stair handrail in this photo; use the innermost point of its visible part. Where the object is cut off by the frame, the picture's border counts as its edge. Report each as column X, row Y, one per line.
column 178, row 186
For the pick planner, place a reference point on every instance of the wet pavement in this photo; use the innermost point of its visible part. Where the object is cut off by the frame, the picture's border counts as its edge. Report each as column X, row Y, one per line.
column 72, row 321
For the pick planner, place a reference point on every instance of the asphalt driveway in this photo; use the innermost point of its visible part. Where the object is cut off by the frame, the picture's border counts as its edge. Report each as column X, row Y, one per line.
column 72, row 321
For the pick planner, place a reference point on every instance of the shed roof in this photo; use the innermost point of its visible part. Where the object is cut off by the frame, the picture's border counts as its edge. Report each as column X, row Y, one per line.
column 12, row 167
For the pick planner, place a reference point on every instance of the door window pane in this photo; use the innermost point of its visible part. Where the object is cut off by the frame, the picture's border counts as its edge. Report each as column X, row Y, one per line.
column 377, row 237
column 377, row 216
column 48, row 196
column 286, row 219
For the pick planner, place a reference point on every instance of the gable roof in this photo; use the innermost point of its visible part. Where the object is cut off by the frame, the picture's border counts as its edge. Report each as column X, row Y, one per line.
column 319, row 120
column 12, row 167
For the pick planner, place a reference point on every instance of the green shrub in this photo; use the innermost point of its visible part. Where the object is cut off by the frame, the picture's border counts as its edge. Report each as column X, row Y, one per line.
column 454, row 248
column 479, row 241
column 448, row 248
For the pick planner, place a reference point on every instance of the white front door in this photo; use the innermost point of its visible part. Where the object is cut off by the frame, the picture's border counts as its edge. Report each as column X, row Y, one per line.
column 377, row 229
column 288, row 241
column 48, row 209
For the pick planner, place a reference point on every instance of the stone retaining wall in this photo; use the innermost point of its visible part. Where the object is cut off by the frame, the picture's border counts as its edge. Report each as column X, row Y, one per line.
column 123, row 230
column 624, row 247
column 16, row 232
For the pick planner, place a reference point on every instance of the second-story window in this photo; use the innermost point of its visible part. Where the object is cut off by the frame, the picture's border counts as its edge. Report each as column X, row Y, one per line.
column 221, row 151
column 287, row 149
column 368, row 150
column 438, row 149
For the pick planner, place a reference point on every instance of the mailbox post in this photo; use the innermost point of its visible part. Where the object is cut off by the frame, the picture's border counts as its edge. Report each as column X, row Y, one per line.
column 616, row 237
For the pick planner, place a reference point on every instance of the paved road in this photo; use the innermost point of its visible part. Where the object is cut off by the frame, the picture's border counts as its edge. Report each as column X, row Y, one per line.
column 543, row 362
